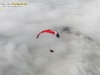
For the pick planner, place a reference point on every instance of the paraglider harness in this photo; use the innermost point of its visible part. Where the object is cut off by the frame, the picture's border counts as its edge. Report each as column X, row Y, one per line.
column 51, row 51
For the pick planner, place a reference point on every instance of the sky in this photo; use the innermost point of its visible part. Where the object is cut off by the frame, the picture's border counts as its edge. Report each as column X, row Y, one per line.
column 76, row 52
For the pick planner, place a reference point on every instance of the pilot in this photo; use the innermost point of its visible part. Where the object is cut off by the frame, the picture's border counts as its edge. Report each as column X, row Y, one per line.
column 51, row 51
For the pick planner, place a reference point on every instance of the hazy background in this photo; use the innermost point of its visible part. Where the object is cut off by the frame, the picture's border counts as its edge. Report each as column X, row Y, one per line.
column 76, row 52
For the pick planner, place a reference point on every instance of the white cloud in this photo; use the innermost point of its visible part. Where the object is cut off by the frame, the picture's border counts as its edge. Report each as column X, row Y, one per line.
column 76, row 52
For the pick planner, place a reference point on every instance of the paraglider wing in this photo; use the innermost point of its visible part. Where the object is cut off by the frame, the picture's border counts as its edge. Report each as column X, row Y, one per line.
column 49, row 31
column 57, row 35
column 37, row 36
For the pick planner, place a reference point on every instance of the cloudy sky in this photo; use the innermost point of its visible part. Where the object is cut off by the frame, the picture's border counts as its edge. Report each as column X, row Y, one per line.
column 76, row 52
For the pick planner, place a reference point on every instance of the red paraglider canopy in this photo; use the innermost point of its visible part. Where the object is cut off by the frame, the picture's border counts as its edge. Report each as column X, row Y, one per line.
column 49, row 31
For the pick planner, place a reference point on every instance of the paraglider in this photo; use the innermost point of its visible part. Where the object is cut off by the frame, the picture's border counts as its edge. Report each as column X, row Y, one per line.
column 49, row 31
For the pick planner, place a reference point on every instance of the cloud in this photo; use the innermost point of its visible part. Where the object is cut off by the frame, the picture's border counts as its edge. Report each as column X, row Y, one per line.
column 75, row 52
